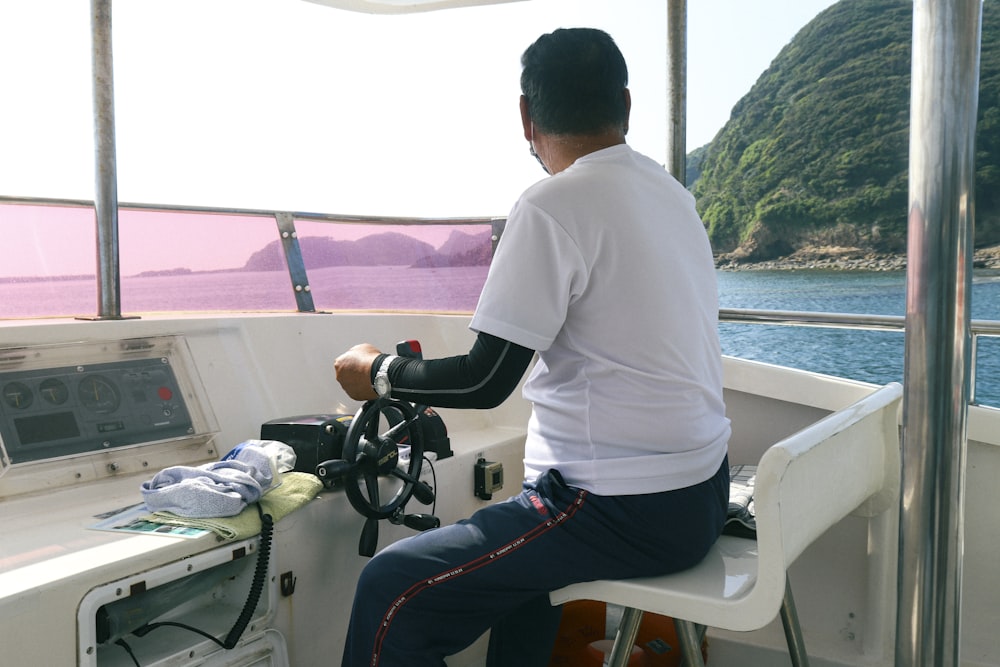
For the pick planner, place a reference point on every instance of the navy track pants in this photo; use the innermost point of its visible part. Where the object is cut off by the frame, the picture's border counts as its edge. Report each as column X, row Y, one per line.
column 434, row 593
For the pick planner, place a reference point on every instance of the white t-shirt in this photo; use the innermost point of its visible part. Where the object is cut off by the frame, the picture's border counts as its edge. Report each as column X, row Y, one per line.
column 606, row 270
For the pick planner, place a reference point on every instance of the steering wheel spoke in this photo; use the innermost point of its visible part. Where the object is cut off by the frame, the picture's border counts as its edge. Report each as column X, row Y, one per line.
column 371, row 485
column 400, row 432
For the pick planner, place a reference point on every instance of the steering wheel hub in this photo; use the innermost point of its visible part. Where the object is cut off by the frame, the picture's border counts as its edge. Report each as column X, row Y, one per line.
column 386, row 455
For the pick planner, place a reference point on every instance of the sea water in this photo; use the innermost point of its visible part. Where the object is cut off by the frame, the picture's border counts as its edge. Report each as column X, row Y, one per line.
column 871, row 356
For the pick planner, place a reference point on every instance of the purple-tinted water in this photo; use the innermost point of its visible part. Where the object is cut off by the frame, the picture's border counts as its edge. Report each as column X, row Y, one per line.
column 447, row 289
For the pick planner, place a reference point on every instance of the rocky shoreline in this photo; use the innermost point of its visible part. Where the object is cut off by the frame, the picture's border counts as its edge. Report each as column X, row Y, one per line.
column 842, row 259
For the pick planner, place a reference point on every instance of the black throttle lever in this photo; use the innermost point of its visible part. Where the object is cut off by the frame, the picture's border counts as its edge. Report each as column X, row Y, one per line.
column 421, row 490
column 421, row 522
column 333, row 470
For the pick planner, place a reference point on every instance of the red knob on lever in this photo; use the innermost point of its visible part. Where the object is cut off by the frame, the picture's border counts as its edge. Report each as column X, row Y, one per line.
column 409, row 348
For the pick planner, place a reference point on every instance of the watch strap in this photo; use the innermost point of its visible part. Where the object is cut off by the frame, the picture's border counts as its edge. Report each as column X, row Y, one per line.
column 383, row 371
column 377, row 365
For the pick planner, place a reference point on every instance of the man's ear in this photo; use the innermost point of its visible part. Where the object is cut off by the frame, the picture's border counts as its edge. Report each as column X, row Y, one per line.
column 628, row 109
column 525, row 118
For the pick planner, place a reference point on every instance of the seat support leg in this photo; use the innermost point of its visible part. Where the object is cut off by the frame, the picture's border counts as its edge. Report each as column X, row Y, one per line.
column 690, row 636
column 628, row 630
column 793, row 632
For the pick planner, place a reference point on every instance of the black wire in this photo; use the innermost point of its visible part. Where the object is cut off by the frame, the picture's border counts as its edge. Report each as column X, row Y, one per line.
column 434, row 480
column 128, row 649
column 149, row 627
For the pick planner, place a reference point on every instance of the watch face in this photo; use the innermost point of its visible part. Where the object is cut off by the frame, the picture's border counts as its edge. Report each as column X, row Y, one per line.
column 382, row 386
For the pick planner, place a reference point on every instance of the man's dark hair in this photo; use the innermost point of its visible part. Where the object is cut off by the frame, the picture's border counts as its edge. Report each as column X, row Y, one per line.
column 575, row 80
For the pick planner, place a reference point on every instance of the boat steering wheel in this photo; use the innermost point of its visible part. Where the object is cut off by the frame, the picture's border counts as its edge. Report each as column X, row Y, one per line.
column 369, row 455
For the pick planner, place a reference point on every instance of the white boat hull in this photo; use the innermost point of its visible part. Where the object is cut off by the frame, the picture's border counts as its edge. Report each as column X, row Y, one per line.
column 255, row 368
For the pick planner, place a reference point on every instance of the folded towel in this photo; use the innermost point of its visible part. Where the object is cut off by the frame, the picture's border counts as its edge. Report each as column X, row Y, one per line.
column 222, row 488
column 297, row 489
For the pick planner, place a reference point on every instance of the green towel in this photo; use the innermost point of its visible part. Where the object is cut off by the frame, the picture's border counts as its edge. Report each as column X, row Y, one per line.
column 296, row 489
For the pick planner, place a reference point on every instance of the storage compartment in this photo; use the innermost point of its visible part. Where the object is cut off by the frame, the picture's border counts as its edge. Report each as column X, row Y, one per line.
column 207, row 592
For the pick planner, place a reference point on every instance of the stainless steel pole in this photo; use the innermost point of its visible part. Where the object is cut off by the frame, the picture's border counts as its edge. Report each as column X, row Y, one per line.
column 106, row 177
column 677, row 89
column 944, row 100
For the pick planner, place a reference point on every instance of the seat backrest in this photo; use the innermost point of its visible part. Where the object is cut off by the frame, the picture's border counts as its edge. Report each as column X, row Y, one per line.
column 815, row 477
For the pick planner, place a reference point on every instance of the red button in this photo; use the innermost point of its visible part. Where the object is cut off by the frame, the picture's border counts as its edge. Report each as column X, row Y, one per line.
column 165, row 393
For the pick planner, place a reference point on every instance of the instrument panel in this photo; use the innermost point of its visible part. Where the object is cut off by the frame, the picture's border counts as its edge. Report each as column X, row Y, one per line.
column 76, row 399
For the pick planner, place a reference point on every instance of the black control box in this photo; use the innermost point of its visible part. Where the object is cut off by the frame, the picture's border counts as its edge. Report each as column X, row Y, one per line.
column 315, row 438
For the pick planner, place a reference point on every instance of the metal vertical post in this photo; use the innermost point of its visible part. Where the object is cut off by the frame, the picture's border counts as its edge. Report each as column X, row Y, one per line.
column 106, row 177
column 497, row 226
column 296, row 264
column 944, row 100
column 677, row 89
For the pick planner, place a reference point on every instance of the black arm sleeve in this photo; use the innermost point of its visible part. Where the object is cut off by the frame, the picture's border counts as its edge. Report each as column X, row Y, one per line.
column 483, row 378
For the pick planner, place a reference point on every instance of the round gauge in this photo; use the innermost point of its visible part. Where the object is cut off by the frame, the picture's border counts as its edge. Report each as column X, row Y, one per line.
column 53, row 391
column 17, row 395
column 98, row 394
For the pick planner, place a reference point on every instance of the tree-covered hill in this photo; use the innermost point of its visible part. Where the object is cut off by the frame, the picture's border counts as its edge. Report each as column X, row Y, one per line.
column 816, row 152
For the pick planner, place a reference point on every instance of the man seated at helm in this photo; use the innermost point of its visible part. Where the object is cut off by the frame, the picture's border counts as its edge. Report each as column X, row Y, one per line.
column 605, row 271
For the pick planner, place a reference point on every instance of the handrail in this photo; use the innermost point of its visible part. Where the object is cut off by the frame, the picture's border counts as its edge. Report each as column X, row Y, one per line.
column 837, row 320
column 813, row 319
column 258, row 212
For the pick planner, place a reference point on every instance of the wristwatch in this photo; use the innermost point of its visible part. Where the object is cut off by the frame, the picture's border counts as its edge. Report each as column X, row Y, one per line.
column 381, row 385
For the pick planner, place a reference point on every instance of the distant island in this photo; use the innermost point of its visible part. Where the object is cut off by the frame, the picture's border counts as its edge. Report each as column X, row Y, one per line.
column 45, row 279
column 836, row 258
column 164, row 272
column 383, row 249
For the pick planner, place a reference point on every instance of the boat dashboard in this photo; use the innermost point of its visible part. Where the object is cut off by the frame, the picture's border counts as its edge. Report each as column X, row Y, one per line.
column 89, row 411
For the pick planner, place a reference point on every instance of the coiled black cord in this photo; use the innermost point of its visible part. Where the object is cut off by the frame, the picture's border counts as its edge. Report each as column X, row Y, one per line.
column 259, row 579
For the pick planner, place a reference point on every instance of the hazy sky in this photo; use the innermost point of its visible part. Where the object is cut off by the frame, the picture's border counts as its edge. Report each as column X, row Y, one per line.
column 285, row 104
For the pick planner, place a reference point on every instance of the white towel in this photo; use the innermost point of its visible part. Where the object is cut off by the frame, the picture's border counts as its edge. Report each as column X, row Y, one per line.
column 222, row 488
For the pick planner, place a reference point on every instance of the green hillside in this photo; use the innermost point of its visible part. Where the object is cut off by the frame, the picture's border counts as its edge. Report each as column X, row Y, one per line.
column 816, row 152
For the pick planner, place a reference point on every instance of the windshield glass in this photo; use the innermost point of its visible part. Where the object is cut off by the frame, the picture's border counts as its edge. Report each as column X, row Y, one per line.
column 285, row 105
column 274, row 106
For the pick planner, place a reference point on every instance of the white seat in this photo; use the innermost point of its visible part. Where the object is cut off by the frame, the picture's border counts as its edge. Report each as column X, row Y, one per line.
column 846, row 462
